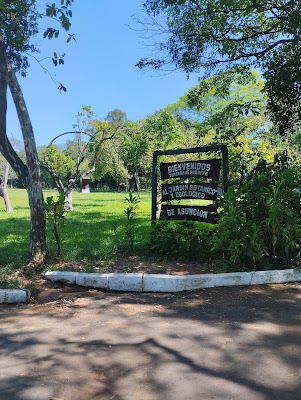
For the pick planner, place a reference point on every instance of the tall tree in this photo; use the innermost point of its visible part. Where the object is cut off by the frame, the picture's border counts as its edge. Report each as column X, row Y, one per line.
column 81, row 156
column 140, row 139
column 228, row 108
column 134, row 150
column 283, row 87
column 19, row 24
column 210, row 35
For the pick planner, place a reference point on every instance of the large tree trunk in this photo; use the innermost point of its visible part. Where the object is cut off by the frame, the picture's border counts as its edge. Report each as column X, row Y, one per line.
column 30, row 173
column 37, row 245
column 38, row 248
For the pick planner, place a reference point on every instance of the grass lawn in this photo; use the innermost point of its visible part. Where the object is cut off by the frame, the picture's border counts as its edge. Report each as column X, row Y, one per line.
column 94, row 231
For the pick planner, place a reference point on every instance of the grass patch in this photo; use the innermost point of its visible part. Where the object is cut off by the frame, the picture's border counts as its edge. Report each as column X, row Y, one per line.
column 95, row 234
column 7, row 278
column 7, row 282
column 94, row 230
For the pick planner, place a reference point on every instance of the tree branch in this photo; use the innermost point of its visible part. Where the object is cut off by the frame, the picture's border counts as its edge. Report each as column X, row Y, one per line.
column 6, row 147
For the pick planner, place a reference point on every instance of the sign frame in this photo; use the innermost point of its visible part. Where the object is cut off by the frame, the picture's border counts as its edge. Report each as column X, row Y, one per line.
column 204, row 149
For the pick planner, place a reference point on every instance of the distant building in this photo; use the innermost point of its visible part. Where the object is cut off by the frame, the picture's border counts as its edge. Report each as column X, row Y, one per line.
column 85, row 184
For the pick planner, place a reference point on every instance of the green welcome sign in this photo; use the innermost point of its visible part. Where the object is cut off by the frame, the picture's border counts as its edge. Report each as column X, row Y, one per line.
column 191, row 179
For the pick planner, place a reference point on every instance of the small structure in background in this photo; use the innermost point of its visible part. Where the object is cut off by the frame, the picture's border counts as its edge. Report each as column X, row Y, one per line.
column 85, row 184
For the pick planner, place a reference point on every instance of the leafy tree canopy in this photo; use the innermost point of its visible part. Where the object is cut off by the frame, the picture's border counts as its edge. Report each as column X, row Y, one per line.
column 19, row 24
column 208, row 33
column 228, row 99
column 283, row 87
column 217, row 34
column 228, row 108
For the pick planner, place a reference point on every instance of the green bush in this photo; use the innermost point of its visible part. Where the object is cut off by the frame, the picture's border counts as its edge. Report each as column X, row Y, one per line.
column 239, row 239
column 56, row 214
column 186, row 240
column 260, row 221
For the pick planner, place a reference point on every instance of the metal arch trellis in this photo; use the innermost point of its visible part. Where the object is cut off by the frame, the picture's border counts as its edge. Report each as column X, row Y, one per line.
column 205, row 149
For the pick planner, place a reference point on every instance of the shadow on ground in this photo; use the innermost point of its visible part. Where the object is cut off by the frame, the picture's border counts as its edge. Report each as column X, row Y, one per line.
column 225, row 343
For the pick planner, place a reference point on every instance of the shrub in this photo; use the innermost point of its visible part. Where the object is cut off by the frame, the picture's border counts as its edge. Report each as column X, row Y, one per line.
column 55, row 213
column 181, row 239
column 130, row 212
column 237, row 238
column 261, row 219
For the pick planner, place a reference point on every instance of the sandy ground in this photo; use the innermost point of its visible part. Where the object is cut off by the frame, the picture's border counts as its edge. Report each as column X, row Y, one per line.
column 222, row 344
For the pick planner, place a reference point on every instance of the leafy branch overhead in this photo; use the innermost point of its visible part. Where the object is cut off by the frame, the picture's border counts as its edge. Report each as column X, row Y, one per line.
column 20, row 24
column 206, row 36
column 205, row 33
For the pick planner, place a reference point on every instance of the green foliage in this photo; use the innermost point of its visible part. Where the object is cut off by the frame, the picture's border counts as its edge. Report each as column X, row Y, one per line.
column 237, row 238
column 140, row 139
column 20, row 24
column 212, row 35
column 260, row 221
column 116, row 117
column 109, row 165
column 97, row 156
column 184, row 240
column 130, row 212
column 283, row 87
column 59, row 161
column 228, row 108
column 163, row 130
column 134, row 147
column 9, row 282
column 208, row 33
column 56, row 213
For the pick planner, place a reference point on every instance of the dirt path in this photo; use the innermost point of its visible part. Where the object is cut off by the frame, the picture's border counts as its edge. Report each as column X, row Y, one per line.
column 222, row 344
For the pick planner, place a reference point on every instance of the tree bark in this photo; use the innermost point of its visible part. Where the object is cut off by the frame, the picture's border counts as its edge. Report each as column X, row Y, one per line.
column 38, row 247
column 137, row 181
column 30, row 173
column 3, row 189
column 4, row 194
column 68, row 199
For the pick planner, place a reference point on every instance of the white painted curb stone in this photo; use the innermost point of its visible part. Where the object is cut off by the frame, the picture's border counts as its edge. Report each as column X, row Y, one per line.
column 139, row 282
column 199, row 281
column 176, row 283
column 92, row 280
column 119, row 282
column 14, row 295
column 63, row 276
column 162, row 283
column 126, row 282
column 233, row 279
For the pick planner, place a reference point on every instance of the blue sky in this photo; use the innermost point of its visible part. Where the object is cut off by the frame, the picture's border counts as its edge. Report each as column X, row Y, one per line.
column 99, row 71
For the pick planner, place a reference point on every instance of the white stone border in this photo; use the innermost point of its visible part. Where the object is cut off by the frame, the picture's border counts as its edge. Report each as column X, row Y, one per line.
column 14, row 295
column 141, row 282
